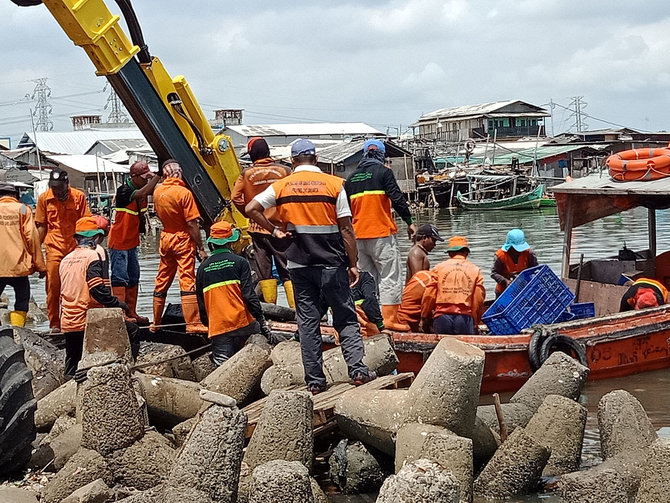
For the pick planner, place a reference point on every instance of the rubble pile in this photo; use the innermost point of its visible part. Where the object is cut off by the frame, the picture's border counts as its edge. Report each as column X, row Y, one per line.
column 179, row 433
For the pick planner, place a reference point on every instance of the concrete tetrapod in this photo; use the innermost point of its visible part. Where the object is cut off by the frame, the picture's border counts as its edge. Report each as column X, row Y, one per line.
column 514, row 469
column 409, row 442
column 372, row 416
column 354, row 469
column 60, row 402
column 239, row 377
column 278, row 480
column 453, row 454
column 655, row 483
column 446, row 390
column 420, row 482
column 180, row 368
column 623, row 423
column 559, row 375
column 559, row 425
column 210, row 459
column 105, row 338
column 111, row 417
column 284, row 430
column 81, row 469
column 169, row 401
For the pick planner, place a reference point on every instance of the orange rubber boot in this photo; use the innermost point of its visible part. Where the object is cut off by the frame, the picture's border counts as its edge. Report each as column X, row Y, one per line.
column 131, row 300
column 120, row 293
column 189, row 307
column 159, row 307
column 389, row 313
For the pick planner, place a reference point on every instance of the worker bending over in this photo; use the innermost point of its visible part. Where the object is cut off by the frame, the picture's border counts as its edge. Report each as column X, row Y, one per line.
column 180, row 241
column 251, row 182
column 20, row 249
column 226, row 297
column 413, row 298
column 372, row 190
column 84, row 279
column 644, row 293
column 512, row 258
column 58, row 209
column 124, row 235
column 427, row 237
column 321, row 258
column 457, row 296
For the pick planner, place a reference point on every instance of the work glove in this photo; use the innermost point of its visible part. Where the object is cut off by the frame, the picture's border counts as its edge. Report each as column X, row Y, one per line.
column 267, row 333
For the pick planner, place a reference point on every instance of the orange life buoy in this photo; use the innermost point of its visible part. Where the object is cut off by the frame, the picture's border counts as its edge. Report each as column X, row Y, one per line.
column 640, row 164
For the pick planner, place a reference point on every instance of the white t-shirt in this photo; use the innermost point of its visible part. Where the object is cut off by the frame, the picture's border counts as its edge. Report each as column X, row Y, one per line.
column 268, row 198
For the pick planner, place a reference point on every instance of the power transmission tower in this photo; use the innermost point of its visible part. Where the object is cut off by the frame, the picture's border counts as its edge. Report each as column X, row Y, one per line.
column 578, row 105
column 117, row 114
column 43, row 109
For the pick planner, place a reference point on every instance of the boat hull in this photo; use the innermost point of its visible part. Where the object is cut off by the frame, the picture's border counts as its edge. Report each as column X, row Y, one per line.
column 616, row 345
column 528, row 201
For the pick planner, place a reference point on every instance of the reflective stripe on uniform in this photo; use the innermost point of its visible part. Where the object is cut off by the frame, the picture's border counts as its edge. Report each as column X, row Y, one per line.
column 221, row 283
column 126, row 210
column 368, row 193
column 314, row 229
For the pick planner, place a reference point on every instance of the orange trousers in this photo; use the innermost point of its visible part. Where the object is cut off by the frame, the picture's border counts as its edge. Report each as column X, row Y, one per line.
column 177, row 252
column 52, row 284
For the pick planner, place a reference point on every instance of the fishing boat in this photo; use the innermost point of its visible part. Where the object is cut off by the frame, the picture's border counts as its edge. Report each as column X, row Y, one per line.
column 525, row 201
column 611, row 344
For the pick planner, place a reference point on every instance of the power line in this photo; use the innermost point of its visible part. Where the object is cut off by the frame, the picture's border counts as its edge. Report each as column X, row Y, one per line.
column 117, row 114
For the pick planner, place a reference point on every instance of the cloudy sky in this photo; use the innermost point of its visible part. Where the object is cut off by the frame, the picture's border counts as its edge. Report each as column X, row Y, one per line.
column 383, row 63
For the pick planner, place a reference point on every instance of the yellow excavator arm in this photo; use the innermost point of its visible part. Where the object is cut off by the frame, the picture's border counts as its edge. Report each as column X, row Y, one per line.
column 164, row 108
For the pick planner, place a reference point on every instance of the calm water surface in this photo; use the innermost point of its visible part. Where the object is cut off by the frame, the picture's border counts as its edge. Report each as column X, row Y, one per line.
column 486, row 232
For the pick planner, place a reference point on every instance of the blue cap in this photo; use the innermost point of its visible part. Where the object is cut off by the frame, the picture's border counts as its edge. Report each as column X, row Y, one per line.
column 374, row 145
column 302, row 146
column 516, row 240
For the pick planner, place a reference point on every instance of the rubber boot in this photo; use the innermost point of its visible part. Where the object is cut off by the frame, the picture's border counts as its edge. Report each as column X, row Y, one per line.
column 288, row 288
column 269, row 290
column 159, row 307
column 189, row 307
column 120, row 293
column 131, row 300
column 389, row 313
column 18, row 318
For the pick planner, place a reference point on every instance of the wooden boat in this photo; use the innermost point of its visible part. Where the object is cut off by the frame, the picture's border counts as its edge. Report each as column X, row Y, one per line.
column 616, row 345
column 547, row 202
column 525, row 201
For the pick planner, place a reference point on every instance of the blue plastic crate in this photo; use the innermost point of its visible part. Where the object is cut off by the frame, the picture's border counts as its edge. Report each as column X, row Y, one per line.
column 582, row 310
column 537, row 295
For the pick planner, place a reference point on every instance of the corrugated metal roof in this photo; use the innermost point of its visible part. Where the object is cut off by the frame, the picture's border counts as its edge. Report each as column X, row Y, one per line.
column 603, row 184
column 88, row 164
column 77, row 142
column 120, row 144
column 322, row 128
column 472, row 111
column 528, row 154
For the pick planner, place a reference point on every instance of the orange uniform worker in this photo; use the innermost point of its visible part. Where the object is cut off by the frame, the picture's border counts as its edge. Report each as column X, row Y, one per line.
column 84, row 275
column 20, row 249
column 180, row 241
column 252, row 181
column 512, row 258
column 413, row 298
column 124, row 236
column 457, row 296
column 226, row 297
column 58, row 210
column 644, row 293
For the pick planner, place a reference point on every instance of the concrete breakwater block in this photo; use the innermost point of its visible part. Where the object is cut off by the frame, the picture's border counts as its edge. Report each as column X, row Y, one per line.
column 287, row 369
column 420, row 482
column 558, row 375
column 284, row 430
column 354, row 469
column 43, row 359
column 210, row 459
column 446, row 390
column 409, row 442
column 485, row 442
column 279, row 480
column 239, row 377
column 60, row 402
column 559, row 425
column 454, row 454
column 105, row 337
column 180, row 368
column 95, row 492
column 655, row 483
column 372, row 416
column 203, row 366
column 84, row 467
column 169, row 401
column 623, row 423
column 111, row 417
column 514, row 469
column 607, row 487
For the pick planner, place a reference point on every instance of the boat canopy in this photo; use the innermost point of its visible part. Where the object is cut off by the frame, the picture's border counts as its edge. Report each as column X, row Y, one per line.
column 590, row 198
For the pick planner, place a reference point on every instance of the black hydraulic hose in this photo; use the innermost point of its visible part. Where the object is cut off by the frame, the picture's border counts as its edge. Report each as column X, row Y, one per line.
column 135, row 30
